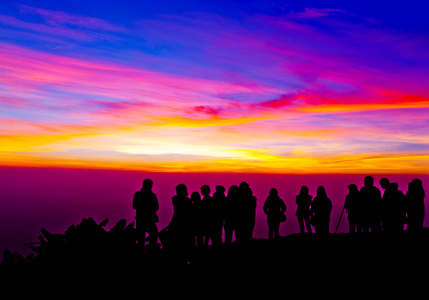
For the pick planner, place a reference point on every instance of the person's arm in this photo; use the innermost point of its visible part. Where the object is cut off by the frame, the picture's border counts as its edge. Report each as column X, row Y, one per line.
column 156, row 204
column 135, row 201
column 266, row 211
column 282, row 206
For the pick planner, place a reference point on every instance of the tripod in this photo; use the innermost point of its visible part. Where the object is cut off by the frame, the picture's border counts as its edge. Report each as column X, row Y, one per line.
column 342, row 212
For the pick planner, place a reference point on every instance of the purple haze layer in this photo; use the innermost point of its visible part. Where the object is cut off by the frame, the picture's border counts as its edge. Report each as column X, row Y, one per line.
column 32, row 198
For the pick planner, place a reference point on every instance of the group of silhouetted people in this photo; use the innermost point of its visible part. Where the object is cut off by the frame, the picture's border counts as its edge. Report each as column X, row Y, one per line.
column 316, row 212
column 369, row 210
column 202, row 217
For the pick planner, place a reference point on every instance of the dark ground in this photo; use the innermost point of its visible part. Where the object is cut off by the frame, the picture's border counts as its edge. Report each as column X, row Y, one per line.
column 98, row 262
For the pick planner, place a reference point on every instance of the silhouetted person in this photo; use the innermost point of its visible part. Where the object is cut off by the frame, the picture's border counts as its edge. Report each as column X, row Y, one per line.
column 180, row 226
column 391, row 206
column 303, row 213
column 353, row 207
column 275, row 209
column 219, row 200
column 146, row 205
column 247, row 213
column 371, row 202
column 384, row 183
column 415, row 206
column 207, row 212
column 198, row 218
column 321, row 211
column 393, row 209
column 231, row 212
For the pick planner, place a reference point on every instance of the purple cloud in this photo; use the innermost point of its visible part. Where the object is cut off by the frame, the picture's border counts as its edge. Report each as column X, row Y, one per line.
column 59, row 18
column 311, row 13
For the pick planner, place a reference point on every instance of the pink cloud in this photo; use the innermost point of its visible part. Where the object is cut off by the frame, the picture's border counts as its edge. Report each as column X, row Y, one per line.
column 284, row 100
column 68, row 83
column 206, row 110
column 310, row 13
column 46, row 30
column 294, row 86
column 58, row 18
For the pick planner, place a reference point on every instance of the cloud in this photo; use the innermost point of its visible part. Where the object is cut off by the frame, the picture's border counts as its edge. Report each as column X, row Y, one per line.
column 311, row 13
column 268, row 91
column 41, row 81
column 59, row 30
column 206, row 110
column 43, row 30
column 60, row 18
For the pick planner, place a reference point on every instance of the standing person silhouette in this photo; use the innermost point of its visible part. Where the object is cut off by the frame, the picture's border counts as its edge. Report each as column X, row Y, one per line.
column 207, row 210
column 275, row 209
column 247, row 215
column 181, row 223
column 352, row 206
column 394, row 209
column 385, row 185
column 219, row 200
column 146, row 205
column 303, row 213
column 231, row 213
column 321, row 211
column 415, row 205
column 372, row 210
column 197, row 218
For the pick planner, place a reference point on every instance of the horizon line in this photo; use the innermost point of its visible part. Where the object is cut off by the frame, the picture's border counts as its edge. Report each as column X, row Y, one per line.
column 250, row 172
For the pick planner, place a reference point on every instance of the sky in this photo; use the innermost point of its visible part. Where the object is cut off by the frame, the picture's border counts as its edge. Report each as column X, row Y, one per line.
column 216, row 86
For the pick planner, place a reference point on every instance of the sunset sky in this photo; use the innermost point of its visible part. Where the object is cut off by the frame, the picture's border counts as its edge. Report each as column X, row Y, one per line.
column 216, row 86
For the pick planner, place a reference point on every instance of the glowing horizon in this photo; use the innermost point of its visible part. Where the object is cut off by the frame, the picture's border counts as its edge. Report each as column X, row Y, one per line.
column 303, row 90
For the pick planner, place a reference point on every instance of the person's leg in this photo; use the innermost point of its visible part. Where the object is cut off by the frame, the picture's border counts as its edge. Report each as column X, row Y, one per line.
column 301, row 224
column 140, row 233
column 277, row 230
column 153, row 233
column 308, row 224
column 270, row 231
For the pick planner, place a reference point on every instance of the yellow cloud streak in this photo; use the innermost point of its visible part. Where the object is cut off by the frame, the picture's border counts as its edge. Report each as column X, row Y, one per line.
column 46, row 149
column 212, row 121
column 251, row 161
column 36, row 142
column 353, row 107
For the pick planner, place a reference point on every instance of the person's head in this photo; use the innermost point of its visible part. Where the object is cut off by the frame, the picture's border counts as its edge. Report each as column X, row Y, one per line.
column 205, row 190
column 195, row 197
column 245, row 190
column 321, row 192
column 384, row 183
column 304, row 190
column 274, row 192
column 147, row 184
column 417, row 186
column 220, row 189
column 244, row 185
column 353, row 188
column 233, row 190
column 394, row 186
column 181, row 190
column 417, row 183
column 368, row 181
